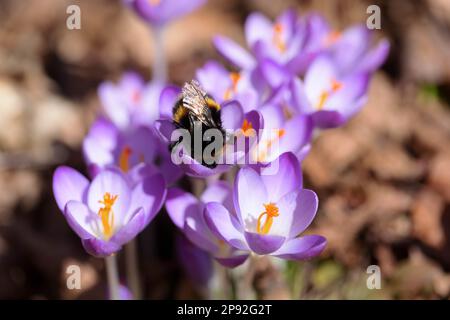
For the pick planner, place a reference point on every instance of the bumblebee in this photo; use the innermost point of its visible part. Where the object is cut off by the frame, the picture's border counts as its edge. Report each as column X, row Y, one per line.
column 197, row 110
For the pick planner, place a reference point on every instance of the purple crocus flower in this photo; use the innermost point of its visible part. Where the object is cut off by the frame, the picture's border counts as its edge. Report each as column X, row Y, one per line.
column 352, row 50
column 187, row 213
column 282, row 41
column 106, row 145
column 246, row 126
column 330, row 99
column 134, row 151
column 272, row 210
column 109, row 211
column 130, row 102
column 160, row 12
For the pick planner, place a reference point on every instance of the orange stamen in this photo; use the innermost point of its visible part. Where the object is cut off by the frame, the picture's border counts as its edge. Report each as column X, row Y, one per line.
column 124, row 159
column 335, row 86
column 154, row 2
column 247, row 128
column 278, row 37
column 106, row 214
column 235, row 77
column 270, row 213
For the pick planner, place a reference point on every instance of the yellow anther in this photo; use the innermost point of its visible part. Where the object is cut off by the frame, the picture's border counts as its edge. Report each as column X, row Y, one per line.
column 106, row 214
column 270, row 213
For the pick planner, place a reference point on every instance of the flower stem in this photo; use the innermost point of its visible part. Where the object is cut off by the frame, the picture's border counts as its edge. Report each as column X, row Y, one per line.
column 113, row 276
column 159, row 63
column 132, row 267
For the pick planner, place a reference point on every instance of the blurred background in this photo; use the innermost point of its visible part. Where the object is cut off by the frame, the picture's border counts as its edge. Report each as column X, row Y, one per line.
column 383, row 180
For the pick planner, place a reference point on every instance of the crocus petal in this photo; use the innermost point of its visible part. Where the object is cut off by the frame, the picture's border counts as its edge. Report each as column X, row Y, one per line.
column 195, row 169
column 305, row 211
column 327, row 119
column 150, row 195
column 113, row 182
column 165, row 128
column 68, row 184
column 302, row 248
column 82, row 220
column 300, row 63
column 234, row 52
column 219, row 191
column 100, row 143
column 298, row 132
column 264, row 243
column 141, row 171
column 257, row 27
column 286, row 179
column 286, row 205
column 196, row 229
column 249, row 195
column 167, row 100
column 374, row 58
column 178, row 204
column 148, row 110
column 353, row 87
column 100, row 248
column 352, row 45
column 221, row 223
column 232, row 261
column 319, row 77
column 131, row 228
column 274, row 73
column 113, row 104
column 232, row 115
column 215, row 79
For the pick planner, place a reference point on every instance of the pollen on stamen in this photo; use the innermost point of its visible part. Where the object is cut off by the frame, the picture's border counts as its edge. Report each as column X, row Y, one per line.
column 106, row 214
column 271, row 211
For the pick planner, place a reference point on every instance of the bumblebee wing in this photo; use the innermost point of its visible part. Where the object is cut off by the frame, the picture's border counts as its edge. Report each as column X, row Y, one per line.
column 194, row 100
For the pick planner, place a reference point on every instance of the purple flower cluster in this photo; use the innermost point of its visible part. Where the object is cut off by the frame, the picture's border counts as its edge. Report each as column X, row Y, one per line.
column 295, row 76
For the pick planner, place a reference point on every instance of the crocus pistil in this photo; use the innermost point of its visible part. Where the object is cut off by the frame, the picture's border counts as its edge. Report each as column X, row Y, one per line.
column 107, row 215
column 269, row 214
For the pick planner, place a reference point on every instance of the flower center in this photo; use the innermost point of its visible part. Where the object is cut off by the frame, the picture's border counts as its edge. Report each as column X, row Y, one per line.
column 232, row 89
column 106, row 214
column 263, row 227
column 277, row 38
column 323, row 98
column 247, row 128
column 124, row 159
column 154, row 2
